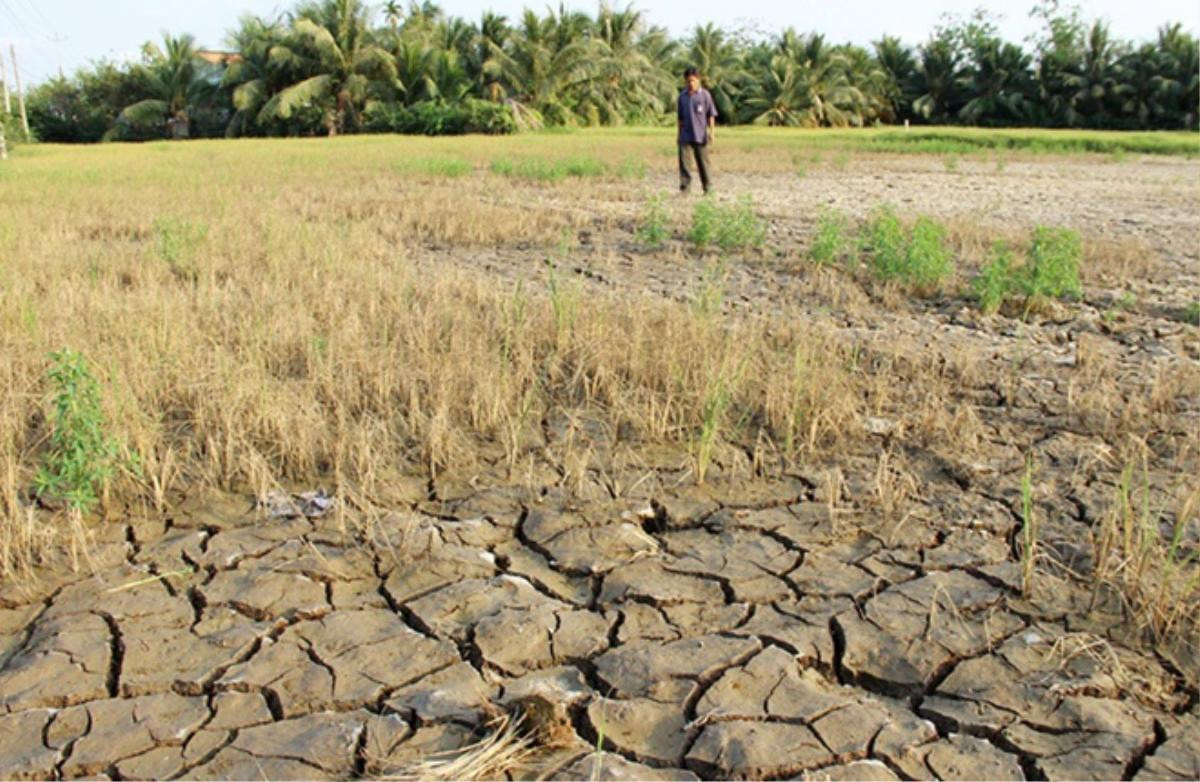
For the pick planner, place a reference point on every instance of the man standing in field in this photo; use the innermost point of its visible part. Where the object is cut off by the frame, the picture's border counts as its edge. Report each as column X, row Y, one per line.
column 696, row 123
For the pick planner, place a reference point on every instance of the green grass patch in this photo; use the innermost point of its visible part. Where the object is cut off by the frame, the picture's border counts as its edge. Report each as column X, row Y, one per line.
column 436, row 166
column 950, row 141
column 546, row 170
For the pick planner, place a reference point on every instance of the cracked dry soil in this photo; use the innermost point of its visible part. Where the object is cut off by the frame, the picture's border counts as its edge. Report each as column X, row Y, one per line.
column 742, row 631
column 702, row 637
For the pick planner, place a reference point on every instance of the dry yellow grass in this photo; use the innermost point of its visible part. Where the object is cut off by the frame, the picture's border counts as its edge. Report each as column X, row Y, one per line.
column 253, row 317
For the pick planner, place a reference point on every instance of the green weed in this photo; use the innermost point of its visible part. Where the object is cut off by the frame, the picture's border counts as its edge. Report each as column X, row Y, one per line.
column 950, row 163
column 1191, row 314
column 994, row 280
column 741, row 228
column 704, row 222
column 882, row 239
column 1053, row 269
column 653, row 230
column 927, row 259
column 178, row 240
column 82, row 457
column 1049, row 271
column 708, row 300
column 730, row 228
column 919, row 258
column 631, row 168
column 831, row 242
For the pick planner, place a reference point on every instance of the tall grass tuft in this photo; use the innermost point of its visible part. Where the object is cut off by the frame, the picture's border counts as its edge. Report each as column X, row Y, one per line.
column 1145, row 555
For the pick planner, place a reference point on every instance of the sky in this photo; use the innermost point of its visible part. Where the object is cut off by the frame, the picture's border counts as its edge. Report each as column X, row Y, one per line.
column 49, row 34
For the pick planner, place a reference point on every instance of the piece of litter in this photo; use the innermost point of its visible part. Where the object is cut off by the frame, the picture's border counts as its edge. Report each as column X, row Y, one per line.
column 880, row 426
column 282, row 505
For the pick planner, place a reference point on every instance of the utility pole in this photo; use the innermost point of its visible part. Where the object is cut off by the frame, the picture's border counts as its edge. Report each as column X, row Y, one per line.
column 4, row 87
column 3, row 146
column 12, row 51
column 58, row 40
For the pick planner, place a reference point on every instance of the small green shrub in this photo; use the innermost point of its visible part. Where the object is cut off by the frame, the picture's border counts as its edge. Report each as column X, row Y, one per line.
column 82, row 457
column 1192, row 313
column 882, row 240
column 918, row 258
column 830, row 242
column 730, row 228
column 740, row 227
column 652, row 230
column 1053, row 269
column 1049, row 271
column 993, row 283
column 704, row 222
column 441, row 118
column 928, row 261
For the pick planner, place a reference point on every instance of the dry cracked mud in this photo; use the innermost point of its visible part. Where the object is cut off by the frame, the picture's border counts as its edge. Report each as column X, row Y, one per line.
column 742, row 630
column 696, row 636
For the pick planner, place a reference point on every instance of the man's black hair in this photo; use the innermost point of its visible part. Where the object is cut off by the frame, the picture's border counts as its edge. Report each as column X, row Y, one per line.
column 691, row 70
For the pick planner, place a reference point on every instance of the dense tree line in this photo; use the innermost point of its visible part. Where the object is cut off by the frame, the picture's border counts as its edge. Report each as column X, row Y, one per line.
column 338, row 66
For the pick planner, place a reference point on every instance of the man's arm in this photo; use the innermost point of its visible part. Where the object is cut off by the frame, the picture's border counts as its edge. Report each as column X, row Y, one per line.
column 712, row 119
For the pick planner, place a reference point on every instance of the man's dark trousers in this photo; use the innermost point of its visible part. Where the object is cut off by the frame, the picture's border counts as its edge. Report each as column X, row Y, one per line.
column 700, row 153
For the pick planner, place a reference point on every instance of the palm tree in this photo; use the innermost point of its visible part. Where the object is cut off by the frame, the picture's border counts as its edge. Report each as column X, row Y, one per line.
column 1089, row 84
column 251, row 76
column 546, row 63
column 806, row 83
column 177, row 83
column 392, row 14
column 343, row 68
column 720, row 65
column 898, row 62
column 492, row 31
column 430, row 72
column 939, row 77
column 870, row 99
column 626, row 82
column 1000, row 83
column 1143, row 90
column 1182, row 52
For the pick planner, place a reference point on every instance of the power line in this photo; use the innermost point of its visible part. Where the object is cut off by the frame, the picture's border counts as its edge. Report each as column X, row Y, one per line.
column 38, row 12
column 38, row 71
